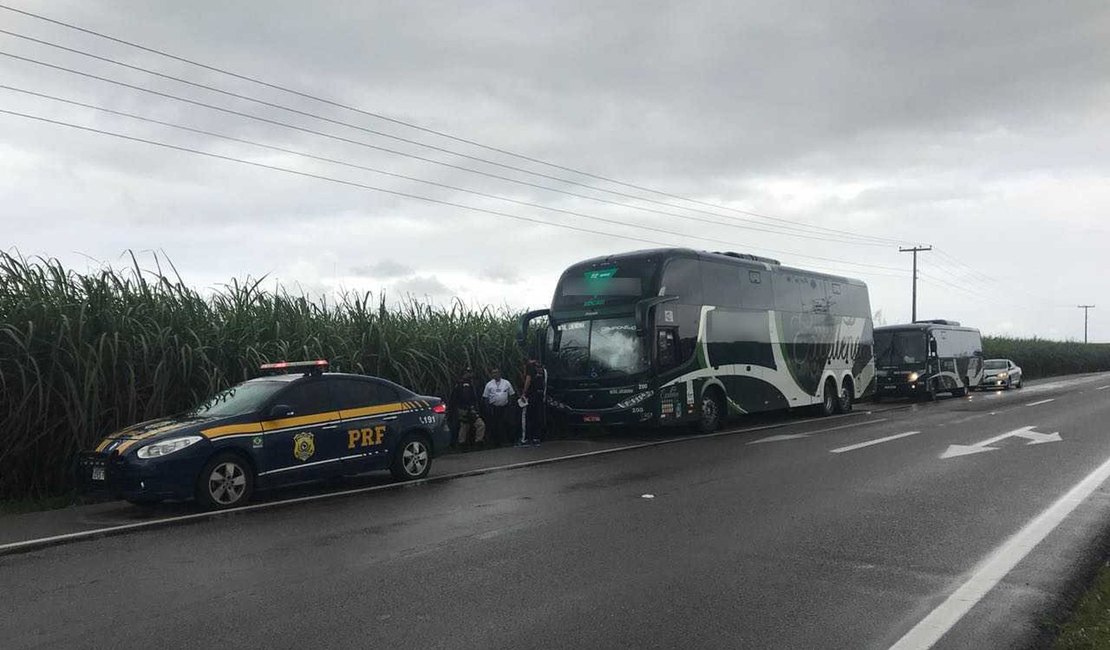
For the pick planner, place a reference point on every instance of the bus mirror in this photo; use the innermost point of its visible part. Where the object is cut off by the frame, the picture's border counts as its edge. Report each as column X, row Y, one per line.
column 643, row 308
column 932, row 347
column 525, row 323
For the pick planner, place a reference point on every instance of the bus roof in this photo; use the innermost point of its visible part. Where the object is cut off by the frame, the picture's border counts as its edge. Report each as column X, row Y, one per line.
column 907, row 327
column 738, row 259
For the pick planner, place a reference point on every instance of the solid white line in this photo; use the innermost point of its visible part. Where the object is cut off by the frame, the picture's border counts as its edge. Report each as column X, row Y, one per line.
column 873, row 442
column 995, row 567
column 1102, row 387
column 1043, row 401
column 154, row 523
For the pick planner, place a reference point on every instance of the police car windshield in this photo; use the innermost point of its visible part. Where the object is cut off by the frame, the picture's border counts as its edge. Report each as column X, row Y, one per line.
column 995, row 365
column 239, row 400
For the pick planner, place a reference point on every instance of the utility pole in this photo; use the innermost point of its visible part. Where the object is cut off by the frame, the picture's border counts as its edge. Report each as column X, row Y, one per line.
column 915, row 250
column 1086, row 309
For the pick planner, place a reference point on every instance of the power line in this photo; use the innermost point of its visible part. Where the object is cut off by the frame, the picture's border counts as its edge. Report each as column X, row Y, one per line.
column 410, row 125
column 414, row 156
column 375, row 188
column 361, row 167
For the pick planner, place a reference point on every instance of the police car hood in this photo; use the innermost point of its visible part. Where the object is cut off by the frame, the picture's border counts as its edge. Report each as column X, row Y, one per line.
column 180, row 425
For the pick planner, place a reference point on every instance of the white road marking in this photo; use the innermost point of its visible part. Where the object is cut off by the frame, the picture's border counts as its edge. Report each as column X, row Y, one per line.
column 1034, row 438
column 25, row 545
column 780, row 438
column 647, row 496
column 873, row 442
column 1102, row 387
column 995, row 567
column 1043, row 401
column 793, row 436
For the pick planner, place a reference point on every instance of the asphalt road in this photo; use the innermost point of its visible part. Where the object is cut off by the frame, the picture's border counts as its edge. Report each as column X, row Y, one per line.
column 796, row 537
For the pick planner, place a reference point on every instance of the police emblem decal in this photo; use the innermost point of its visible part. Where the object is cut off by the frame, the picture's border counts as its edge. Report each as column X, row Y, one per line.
column 304, row 446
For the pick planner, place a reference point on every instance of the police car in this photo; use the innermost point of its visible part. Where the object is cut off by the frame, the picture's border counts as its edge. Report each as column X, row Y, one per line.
column 303, row 426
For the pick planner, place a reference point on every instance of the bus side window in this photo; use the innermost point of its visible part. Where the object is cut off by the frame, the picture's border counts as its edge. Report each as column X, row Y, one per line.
column 666, row 348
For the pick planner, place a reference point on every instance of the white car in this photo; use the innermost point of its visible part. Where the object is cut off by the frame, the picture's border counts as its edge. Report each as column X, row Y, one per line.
column 1000, row 373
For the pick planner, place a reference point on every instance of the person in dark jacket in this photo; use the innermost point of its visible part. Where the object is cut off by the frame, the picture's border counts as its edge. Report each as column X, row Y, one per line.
column 463, row 404
column 533, row 417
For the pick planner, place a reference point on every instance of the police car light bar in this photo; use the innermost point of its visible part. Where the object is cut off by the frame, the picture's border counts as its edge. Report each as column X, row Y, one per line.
column 318, row 364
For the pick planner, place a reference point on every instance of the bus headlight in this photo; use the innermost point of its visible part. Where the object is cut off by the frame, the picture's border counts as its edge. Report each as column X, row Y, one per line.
column 913, row 377
column 634, row 400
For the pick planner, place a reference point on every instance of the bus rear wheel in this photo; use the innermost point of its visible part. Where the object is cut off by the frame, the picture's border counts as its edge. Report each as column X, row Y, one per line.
column 845, row 402
column 829, row 400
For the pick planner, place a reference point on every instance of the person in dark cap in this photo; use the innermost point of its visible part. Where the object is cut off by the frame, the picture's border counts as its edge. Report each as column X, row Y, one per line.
column 463, row 404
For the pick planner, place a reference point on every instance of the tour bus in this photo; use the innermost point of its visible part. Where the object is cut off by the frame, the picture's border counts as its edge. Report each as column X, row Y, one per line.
column 677, row 336
column 927, row 357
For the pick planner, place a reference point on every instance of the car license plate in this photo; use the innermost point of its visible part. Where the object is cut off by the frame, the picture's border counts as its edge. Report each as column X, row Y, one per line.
column 591, row 418
column 98, row 474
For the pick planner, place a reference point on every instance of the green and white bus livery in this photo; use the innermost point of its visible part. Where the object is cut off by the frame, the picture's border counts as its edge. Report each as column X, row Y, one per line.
column 676, row 336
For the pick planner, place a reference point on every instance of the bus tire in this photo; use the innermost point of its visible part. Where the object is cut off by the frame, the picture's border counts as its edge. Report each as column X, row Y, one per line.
column 712, row 409
column 960, row 392
column 846, row 398
column 829, row 399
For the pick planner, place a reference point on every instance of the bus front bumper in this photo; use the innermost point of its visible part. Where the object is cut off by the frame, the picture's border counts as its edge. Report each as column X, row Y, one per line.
column 605, row 417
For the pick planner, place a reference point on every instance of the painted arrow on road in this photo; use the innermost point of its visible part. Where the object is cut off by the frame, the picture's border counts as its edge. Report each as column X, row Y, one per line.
column 1028, row 433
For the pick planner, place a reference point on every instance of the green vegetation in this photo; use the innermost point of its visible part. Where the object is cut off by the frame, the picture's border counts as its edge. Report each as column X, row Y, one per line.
column 1089, row 625
column 83, row 354
column 1041, row 358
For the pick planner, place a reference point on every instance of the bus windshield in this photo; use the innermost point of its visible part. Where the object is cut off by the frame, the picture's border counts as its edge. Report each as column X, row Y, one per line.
column 597, row 348
column 899, row 348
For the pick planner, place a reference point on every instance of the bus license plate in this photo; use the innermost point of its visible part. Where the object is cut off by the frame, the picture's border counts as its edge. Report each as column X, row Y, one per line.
column 591, row 418
column 98, row 474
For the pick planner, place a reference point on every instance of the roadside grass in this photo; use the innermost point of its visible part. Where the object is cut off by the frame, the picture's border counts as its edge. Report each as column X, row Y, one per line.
column 1088, row 628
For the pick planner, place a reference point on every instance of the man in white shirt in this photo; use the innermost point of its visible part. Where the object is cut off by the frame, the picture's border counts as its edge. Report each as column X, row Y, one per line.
column 497, row 394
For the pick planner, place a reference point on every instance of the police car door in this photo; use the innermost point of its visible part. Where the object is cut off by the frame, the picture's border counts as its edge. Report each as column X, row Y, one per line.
column 372, row 415
column 302, row 429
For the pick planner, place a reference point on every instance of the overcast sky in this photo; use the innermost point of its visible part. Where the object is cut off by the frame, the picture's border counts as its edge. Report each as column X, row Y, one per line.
column 980, row 128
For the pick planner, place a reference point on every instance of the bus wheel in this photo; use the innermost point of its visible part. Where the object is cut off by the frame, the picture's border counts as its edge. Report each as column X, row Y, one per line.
column 711, row 409
column 844, row 404
column 828, row 402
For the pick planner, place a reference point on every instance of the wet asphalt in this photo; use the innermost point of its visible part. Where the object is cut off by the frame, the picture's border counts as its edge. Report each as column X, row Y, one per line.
column 759, row 539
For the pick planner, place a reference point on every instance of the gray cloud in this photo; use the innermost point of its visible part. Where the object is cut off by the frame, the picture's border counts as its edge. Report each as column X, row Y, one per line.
column 385, row 269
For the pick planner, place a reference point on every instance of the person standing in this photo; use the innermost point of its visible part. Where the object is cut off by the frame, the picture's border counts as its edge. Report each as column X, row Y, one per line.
column 496, row 394
column 533, row 418
column 464, row 410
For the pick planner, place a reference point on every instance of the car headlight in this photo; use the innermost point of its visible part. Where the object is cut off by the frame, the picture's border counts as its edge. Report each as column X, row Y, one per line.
column 1003, row 375
column 167, row 447
column 913, row 377
column 634, row 400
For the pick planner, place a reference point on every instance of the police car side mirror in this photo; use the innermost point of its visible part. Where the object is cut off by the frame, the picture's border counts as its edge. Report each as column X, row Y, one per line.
column 280, row 411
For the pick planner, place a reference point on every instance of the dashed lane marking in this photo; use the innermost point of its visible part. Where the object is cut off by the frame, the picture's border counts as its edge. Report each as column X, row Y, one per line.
column 877, row 441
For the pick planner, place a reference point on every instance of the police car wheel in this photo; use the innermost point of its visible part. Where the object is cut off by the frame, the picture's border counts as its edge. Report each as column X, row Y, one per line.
column 413, row 458
column 226, row 481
